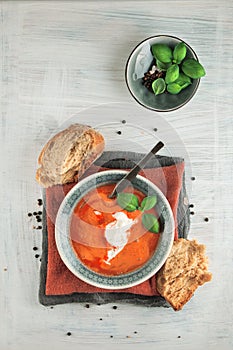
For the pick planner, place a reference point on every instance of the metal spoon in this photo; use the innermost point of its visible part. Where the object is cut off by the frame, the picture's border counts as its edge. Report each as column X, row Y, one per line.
column 133, row 173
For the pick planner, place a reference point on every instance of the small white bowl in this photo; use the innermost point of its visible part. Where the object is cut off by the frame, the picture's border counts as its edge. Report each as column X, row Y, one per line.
column 66, row 251
column 164, row 102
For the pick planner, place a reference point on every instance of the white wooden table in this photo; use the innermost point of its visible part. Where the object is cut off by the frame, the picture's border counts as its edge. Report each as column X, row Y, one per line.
column 60, row 57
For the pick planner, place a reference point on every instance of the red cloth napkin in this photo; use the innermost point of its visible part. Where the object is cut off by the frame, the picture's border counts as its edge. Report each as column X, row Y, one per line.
column 60, row 281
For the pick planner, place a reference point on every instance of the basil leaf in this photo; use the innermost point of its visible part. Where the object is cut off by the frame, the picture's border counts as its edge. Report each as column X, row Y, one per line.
column 162, row 52
column 174, row 88
column 184, row 86
column 172, row 74
column 148, row 203
column 179, row 53
column 193, row 68
column 183, row 79
column 150, row 222
column 162, row 66
column 158, row 86
column 127, row 201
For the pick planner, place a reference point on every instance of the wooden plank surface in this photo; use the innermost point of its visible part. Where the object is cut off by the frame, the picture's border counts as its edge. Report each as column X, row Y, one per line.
column 59, row 58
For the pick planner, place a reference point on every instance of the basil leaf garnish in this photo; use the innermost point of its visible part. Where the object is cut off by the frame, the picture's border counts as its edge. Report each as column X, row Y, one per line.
column 150, row 222
column 127, row 201
column 148, row 203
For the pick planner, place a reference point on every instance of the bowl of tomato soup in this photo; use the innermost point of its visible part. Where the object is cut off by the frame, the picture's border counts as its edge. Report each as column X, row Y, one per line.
column 114, row 243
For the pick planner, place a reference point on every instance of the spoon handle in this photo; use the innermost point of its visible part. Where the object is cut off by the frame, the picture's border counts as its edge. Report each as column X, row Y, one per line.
column 133, row 173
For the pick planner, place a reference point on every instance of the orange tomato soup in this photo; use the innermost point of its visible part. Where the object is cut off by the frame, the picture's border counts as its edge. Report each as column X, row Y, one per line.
column 92, row 216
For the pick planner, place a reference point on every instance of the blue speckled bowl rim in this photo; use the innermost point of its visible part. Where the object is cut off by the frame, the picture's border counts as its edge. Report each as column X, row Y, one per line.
column 128, row 85
column 70, row 259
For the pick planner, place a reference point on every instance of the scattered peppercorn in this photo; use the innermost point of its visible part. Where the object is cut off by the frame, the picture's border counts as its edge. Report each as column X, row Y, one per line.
column 155, row 129
column 35, row 248
column 39, row 212
column 119, row 132
column 37, row 256
column 114, row 307
column 193, row 178
column 192, row 213
column 39, row 227
column 87, row 306
column 39, row 201
column 123, row 121
column 191, row 205
column 29, row 214
column 38, row 219
column 68, row 333
column 34, row 213
column 206, row 219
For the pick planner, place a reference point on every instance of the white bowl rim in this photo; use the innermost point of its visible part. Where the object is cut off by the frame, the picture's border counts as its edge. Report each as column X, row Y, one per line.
column 59, row 239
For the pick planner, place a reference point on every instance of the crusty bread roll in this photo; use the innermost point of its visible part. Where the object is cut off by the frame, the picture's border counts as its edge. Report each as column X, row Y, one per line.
column 68, row 154
column 184, row 270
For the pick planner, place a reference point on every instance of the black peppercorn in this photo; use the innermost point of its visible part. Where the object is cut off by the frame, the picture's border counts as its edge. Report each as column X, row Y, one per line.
column 150, row 77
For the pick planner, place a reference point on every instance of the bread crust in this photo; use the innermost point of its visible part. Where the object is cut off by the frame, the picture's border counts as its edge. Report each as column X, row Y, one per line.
column 183, row 272
column 67, row 155
column 78, row 128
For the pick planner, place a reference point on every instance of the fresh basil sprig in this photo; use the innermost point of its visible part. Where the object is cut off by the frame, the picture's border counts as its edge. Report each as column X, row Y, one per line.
column 130, row 202
column 179, row 69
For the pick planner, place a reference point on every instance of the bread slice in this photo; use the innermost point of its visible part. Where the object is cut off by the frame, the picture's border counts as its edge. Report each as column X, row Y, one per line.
column 184, row 270
column 68, row 154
